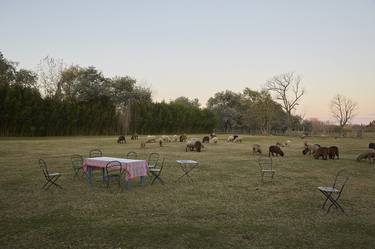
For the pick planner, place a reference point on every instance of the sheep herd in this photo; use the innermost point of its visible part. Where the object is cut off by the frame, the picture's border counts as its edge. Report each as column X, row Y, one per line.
column 195, row 144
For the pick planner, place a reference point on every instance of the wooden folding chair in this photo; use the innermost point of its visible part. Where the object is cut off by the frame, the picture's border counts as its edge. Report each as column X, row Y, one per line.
column 156, row 172
column 51, row 178
column 333, row 193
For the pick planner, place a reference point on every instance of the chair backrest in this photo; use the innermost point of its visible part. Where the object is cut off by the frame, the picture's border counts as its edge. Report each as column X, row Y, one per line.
column 132, row 155
column 162, row 165
column 153, row 159
column 95, row 153
column 77, row 161
column 341, row 178
column 265, row 162
column 113, row 167
column 43, row 166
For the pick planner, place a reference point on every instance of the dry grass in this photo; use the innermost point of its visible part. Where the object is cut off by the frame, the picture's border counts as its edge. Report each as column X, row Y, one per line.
column 226, row 206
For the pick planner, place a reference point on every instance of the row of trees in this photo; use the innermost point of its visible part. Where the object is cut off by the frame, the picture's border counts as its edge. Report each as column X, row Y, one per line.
column 75, row 100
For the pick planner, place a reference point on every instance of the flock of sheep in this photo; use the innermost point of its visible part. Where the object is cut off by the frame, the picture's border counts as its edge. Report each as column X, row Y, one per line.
column 317, row 151
column 195, row 144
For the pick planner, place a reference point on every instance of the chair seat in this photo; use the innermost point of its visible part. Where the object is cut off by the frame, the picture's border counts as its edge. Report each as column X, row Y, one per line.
column 328, row 189
column 155, row 170
column 54, row 174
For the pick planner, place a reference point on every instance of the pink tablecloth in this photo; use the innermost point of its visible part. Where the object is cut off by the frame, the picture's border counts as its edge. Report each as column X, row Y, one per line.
column 133, row 167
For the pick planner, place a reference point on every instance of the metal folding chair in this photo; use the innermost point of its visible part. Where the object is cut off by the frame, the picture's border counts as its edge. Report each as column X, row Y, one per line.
column 114, row 171
column 132, row 155
column 95, row 153
column 187, row 166
column 266, row 168
column 152, row 160
column 333, row 193
column 155, row 172
column 77, row 163
column 51, row 178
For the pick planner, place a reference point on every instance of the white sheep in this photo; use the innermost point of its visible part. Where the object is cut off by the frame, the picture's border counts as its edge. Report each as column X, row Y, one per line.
column 166, row 138
column 150, row 139
column 175, row 138
column 214, row 140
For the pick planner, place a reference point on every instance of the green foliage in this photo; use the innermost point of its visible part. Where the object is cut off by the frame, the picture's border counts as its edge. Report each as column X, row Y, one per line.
column 84, row 102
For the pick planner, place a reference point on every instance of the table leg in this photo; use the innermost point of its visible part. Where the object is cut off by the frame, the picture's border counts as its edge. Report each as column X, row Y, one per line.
column 89, row 176
column 103, row 175
column 142, row 180
column 127, row 184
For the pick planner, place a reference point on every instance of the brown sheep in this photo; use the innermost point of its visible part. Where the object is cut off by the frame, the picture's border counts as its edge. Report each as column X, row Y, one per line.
column 275, row 151
column 134, row 136
column 206, row 139
column 321, row 152
column 194, row 145
column 332, row 152
column 256, row 149
column 183, row 138
column 121, row 140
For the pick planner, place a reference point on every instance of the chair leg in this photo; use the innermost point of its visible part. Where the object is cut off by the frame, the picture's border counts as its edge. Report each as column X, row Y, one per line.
column 327, row 195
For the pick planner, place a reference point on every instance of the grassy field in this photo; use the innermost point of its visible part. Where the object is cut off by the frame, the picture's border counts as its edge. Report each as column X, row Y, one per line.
column 226, row 207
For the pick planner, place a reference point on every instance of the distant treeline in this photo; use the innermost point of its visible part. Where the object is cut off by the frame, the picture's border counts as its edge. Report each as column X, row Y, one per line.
column 59, row 101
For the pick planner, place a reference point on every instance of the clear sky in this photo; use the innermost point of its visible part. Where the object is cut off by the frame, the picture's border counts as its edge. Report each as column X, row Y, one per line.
column 197, row 48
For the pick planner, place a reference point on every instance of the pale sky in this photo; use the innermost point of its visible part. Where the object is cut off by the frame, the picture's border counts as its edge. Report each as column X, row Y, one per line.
column 197, row 48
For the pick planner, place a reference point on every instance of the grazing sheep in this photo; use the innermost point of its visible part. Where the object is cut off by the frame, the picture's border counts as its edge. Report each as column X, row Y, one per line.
column 256, row 149
column 175, row 138
column 206, row 139
column 183, row 138
column 321, row 152
column 150, row 139
column 369, row 154
column 143, row 144
column 283, row 144
column 332, row 152
column 166, row 138
column 230, row 139
column 237, row 140
column 134, row 136
column 310, row 148
column 212, row 135
column 192, row 145
column 275, row 150
column 371, row 146
column 121, row 140
column 214, row 140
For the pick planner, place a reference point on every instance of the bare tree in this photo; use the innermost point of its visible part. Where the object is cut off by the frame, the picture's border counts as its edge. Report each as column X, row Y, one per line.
column 287, row 88
column 343, row 110
column 49, row 71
